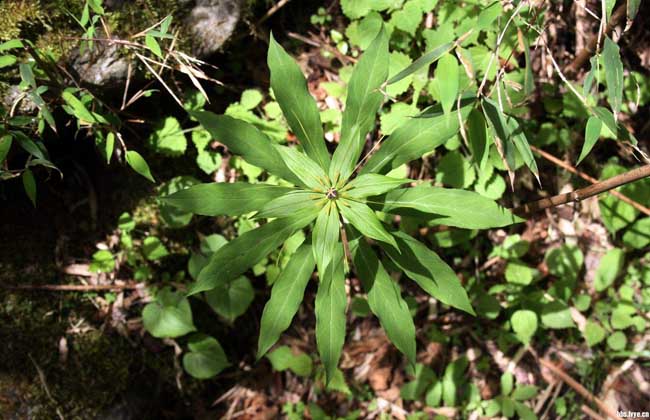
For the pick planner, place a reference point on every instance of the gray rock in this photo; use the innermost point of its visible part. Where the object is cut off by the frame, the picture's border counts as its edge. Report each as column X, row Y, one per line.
column 211, row 23
column 26, row 106
column 102, row 66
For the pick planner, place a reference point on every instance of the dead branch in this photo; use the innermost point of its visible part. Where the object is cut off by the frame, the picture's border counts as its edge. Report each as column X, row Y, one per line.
column 583, row 56
column 565, row 165
column 577, row 387
column 598, row 187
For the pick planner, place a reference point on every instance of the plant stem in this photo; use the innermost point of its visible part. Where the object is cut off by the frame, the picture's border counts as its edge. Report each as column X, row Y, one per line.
column 583, row 193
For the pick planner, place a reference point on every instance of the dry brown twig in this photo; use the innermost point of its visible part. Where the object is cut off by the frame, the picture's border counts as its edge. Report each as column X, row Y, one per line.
column 577, row 387
column 596, row 188
column 643, row 209
column 583, row 56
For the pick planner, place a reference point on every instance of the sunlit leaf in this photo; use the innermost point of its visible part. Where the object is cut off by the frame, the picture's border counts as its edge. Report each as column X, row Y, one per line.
column 298, row 106
column 286, row 295
column 222, row 198
column 331, row 301
column 363, row 102
column 384, row 298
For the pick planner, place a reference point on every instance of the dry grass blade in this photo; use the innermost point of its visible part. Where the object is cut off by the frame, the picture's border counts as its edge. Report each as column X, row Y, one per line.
column 157, row 76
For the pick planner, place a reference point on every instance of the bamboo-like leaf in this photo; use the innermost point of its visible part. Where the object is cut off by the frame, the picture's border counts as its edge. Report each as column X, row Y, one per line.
column 618, row 129
column 477, row 134
column 330, row 308
column 429, row 271
column 288, row 204
column 303, row 167
column 11, row 44
column 5, row 146
column 613, row 74
column 529, row 82
column 589, row 78
column 228, row 199
column 153, row 45
column 426, row 60
column 509, row 131
column 27, row 75
column 243, row 252
column 29, row 185
column 363, row 102
column 448, row 75
column 325, row 236
column 298, row 106
column 416, row 137
column 451, row 207
column 367, row 185
column 137, row 162
column 384, row 298
column 286, row 296
column 245, row 140
column 80, row 111
column 592, row 133
column 632, row 9
column 364, row 220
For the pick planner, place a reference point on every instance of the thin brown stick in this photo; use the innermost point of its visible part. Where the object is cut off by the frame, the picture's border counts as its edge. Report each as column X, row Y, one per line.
column 71, row 287
column 577, row 387
column 583, row 193
column 598, row 187
column 272, row 11
column 320, row 44
column 591, row 413
column 583, row 56
column 643, row 209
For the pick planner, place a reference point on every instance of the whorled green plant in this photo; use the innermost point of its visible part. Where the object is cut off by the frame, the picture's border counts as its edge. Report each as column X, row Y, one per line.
column 337, row 198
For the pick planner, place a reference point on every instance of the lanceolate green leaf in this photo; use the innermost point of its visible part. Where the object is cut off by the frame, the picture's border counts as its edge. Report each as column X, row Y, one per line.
column 80, row 111
column 613, row 74
column 477, row 134
column 243, row 252
column 607, row 118
column 508, row 130
column 448, row 75
column 325, row 236
column 372, row 184
column 298, row 106
column 384, row 298
column 592, row 133
column 137, row 162
column 286, row 295
column 427, row 59
column 364, row 220
column 632, row 8
column 521, row 143
column 429, row 271
column 308, row 171
column 290, row 203
column 5, row 146
column 29, row 185
column 416, row 137
column 452, row 207
column 245, row 140
column 363, row 101
column 227, row 199
column 330, row 307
